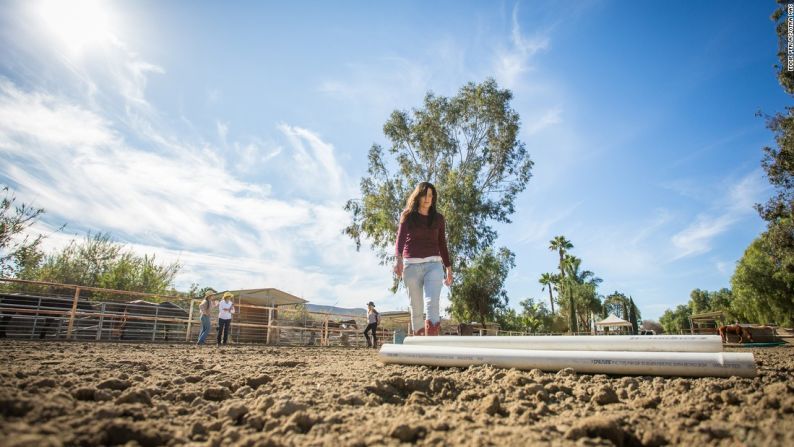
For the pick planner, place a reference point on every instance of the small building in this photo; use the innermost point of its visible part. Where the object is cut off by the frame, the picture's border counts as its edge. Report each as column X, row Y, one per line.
column 614, row 322
column 706, row 322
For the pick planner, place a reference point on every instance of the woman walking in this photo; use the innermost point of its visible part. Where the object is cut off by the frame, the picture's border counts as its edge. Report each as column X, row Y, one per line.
column 225, row 311
column 204, row 310
column 422, row 258
column 373, row 318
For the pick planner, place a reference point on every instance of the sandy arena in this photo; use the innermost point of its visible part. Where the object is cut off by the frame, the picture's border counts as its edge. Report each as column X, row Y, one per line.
column 86, row 394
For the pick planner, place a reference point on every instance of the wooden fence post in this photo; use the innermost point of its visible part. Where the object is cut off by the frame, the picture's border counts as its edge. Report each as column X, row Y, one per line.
column 101, row 320
column 269, row 324
column 189, row 321
column 154, row 327
column 326, row 333
column 74, row 310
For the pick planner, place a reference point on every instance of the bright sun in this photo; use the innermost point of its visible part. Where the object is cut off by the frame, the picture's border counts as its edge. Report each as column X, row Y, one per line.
column 77, row 23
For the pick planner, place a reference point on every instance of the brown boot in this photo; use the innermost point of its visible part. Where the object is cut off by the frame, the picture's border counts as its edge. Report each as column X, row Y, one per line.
column 432, row 328
column 419, row 332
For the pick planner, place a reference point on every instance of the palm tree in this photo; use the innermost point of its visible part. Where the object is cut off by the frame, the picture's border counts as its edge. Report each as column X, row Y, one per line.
column 561, row 246
column 570, row 287
column 582, row 294
column 548, row 280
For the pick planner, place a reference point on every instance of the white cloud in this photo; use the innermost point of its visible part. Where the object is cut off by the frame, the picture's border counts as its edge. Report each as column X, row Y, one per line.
column 380, row 86
column 132, row 74
column 47, row 120
column 512, row 63
column 729, row 209
column 177, row 198
column 182, row 203
column 315, row 168
column 360, row 279
column 548, row 118
column 214, row 96
column 696, row 238
column 539, row 227
column 620, row 252
column 223, row 131
column 726, row 268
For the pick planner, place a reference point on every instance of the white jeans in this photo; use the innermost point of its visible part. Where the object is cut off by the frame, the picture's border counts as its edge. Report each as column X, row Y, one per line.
column 424, row 281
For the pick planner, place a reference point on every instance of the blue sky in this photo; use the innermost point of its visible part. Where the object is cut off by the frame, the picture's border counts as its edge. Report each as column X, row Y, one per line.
column 230, row 136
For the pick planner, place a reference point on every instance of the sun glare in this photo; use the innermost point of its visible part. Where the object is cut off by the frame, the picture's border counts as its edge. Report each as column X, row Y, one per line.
column 78, row 24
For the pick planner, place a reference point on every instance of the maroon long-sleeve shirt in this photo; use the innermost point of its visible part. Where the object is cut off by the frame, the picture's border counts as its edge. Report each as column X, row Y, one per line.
column 421, row 241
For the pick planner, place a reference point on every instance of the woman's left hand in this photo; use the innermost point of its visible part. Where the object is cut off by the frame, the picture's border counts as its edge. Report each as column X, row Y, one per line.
column 448, row 279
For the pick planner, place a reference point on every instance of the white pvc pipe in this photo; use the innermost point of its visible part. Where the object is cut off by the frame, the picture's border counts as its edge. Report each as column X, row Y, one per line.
column 655, row 343
column 694, row 364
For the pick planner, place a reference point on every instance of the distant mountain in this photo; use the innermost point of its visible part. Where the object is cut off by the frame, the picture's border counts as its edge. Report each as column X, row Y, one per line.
column 333, row 310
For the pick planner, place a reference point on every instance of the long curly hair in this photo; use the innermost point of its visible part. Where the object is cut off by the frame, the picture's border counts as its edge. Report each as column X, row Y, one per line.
column 411, row 211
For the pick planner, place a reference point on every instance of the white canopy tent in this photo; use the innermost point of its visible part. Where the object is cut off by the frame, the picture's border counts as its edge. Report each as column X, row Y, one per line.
column 613, row 321
column 265, row 297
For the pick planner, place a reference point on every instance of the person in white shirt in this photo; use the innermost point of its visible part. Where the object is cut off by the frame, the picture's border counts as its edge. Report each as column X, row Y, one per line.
column 225, row 311
column 373, row 318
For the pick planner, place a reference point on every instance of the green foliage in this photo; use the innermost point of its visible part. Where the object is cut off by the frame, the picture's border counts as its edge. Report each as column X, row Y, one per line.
column 18, row 252
column 549, row 280
column 509, row 320
column 579, row 286
column 302, row 313
column 633, row 316
column 480, row 293
column 534, row 317
column 704, row 301
column 762, row 291
column 624, row 307
column 676, row 321
column 468, row 147
column 197, row 291
column 576, row 288
column 778, row 211
column 98, row 261
column 561, row 245
column 700, row 301
column 785, row 77
column 616, row 303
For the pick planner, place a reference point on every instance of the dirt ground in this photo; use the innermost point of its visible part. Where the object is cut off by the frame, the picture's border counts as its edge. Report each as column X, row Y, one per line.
column 60, row 393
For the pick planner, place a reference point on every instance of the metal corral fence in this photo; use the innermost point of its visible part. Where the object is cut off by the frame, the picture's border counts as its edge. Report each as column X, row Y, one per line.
column 44, row 310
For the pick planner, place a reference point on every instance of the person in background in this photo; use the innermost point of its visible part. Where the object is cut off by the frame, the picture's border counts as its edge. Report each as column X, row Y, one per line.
column 422, row 247
column 373, row 318
column 204, row 311
column 225, row 311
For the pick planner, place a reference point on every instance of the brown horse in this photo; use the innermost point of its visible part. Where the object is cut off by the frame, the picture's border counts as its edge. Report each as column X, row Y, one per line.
column 735, row 329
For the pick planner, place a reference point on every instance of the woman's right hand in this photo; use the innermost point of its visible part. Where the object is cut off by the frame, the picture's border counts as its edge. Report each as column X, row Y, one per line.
column 398, row 269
